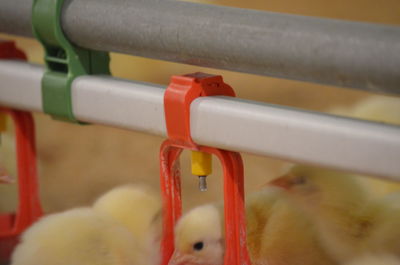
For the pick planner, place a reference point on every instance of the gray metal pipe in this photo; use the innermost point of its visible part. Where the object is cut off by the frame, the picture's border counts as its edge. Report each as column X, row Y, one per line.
column 348, row 54
column 15, row 17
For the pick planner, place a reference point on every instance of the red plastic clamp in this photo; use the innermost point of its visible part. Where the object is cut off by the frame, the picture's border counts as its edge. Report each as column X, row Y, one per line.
column 29, row 209
column 177, row 99
column 8, row 50
column 179, row 95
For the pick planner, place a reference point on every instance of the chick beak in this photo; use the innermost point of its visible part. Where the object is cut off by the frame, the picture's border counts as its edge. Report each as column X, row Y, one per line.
column 5, row 178
column 282, row 182
column 177, row 259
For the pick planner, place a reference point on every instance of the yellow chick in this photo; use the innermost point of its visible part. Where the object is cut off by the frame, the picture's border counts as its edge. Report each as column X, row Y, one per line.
column 277, row 234
column 139, row 210
column 81, row 237
column 379, row 109
column 375, row 260
column 384, row 233
column 199, row 237
column 289, row 238
column 347, row 222
column 376, row 108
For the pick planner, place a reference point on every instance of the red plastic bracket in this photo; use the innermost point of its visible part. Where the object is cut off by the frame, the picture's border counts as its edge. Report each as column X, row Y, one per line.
column 29, row 209
column 8, row 50
column 12, row 224
column 177, row 99
column 179, row 95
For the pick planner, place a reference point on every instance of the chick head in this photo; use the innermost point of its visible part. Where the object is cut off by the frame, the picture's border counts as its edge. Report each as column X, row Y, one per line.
column 199, row 238
column 5, row 177
column 314, row 187
column 134, row 206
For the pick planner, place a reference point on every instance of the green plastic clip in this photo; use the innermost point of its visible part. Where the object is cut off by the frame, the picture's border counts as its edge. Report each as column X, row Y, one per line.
column 64, row 60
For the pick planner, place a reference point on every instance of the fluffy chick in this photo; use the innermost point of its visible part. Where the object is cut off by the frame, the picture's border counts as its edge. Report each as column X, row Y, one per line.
column 375, row 260
column 289, row 238
column 382, row 109
column 277, row 234
column 80, row 236
column 199, row 237
column 384, row 235
column 347, row 222
column 139, row 210
column 378, row 108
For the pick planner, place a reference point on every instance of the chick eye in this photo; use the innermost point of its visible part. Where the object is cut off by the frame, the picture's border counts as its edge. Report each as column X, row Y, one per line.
column 198, row 246
column 299, row 180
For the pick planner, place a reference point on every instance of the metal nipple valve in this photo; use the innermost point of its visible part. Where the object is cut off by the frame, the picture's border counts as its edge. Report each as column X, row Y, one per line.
column 203, row 183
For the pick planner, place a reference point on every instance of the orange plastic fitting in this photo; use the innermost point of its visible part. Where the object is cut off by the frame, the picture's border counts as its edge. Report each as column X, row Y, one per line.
column 177, row 99
column 29, row 209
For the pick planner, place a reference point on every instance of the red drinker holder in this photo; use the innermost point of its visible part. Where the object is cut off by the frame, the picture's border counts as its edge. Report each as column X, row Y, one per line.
column 177, row 99
column 29, row 209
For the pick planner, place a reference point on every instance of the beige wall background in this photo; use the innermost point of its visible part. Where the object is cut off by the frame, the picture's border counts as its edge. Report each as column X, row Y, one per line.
column 77, row 163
